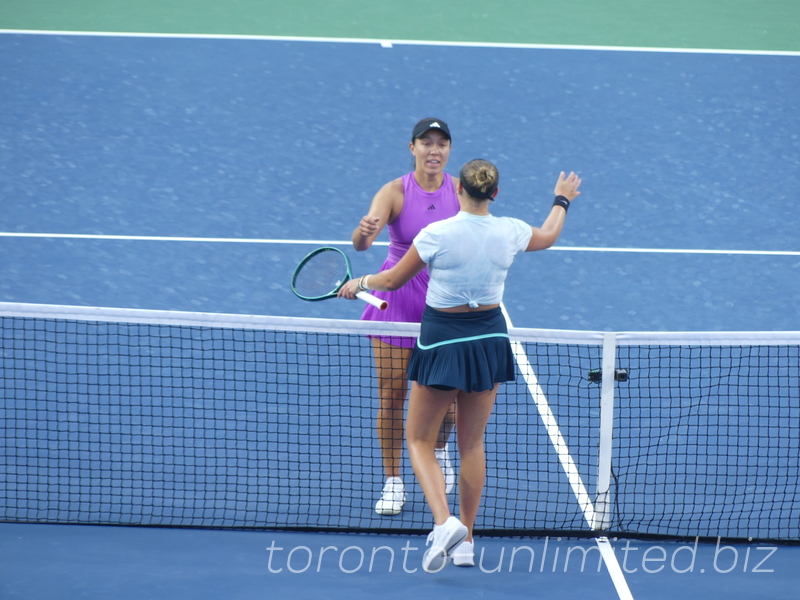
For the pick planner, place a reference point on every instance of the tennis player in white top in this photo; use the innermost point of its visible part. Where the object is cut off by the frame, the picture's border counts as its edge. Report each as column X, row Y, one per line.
column 463, row 352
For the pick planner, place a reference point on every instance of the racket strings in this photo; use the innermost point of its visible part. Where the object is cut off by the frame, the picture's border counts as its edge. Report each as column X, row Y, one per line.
column 320, row 275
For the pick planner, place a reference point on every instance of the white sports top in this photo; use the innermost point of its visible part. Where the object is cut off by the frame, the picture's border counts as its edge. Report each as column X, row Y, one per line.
column 468, row 257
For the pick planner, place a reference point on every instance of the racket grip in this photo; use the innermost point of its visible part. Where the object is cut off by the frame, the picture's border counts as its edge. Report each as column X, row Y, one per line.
column 370, row 299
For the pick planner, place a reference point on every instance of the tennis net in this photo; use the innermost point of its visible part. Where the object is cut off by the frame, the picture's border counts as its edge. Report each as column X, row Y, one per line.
column 134, row 417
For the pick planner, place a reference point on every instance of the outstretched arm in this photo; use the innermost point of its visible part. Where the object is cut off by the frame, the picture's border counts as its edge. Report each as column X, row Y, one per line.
column 389, row 280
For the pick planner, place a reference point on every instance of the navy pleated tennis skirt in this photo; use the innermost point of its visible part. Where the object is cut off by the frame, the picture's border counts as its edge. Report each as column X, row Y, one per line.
column 468, row 351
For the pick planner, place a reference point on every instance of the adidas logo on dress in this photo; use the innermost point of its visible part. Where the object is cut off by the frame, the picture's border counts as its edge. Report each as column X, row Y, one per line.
column 432, row 207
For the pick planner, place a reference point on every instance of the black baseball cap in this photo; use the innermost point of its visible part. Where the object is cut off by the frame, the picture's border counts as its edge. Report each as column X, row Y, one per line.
column 428, row 124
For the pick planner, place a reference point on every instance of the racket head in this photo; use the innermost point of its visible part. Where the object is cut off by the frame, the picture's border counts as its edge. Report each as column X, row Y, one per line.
column 321, row 274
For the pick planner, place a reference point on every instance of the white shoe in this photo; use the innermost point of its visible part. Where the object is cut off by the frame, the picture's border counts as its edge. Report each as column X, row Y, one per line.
column 442, row 540
column 392, row 498
column 443, row 456
column 464, row 554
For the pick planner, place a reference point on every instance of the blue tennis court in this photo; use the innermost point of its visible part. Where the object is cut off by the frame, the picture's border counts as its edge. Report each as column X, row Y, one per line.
column 96, row 562
column 192, row 174
column 279, row 141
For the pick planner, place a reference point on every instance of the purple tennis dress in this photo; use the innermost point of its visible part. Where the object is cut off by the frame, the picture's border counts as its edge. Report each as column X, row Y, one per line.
column 420, row 208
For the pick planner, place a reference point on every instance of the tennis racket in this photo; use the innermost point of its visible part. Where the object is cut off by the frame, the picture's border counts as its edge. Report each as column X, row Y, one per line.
column 322, row 273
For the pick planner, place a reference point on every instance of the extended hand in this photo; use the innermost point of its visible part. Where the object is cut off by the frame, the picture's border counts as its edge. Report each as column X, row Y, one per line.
column 368, row 226
column 349, row 289
column 567, row 186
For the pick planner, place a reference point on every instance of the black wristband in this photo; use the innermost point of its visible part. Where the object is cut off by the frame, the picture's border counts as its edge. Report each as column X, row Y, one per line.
column 562, row 202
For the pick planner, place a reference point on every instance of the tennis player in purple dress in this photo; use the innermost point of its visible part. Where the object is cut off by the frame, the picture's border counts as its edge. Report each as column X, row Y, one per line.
column 406, row 205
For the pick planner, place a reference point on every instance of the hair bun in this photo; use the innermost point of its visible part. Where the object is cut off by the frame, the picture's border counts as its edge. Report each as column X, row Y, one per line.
column 480, row 179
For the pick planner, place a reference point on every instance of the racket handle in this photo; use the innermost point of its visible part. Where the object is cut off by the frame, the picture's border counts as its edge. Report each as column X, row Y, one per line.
column 370, row 299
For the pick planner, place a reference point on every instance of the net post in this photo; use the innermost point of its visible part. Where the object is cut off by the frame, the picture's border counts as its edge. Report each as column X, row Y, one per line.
column 602, row 517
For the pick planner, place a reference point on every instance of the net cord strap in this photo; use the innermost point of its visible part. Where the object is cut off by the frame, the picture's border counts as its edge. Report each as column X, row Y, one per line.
column 602, row 518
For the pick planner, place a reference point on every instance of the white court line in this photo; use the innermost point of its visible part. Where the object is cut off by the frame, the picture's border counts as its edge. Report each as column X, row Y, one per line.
column 612, row 564
column 568, row 464
column 554, row 432
column 391, row 43
column 163, row 238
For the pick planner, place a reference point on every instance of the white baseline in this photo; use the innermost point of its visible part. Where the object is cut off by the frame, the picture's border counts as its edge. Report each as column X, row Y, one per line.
column 159, row 238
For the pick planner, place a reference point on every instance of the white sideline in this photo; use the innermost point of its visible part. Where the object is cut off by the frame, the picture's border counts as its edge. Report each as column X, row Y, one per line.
column 568, row 464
